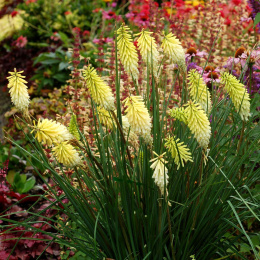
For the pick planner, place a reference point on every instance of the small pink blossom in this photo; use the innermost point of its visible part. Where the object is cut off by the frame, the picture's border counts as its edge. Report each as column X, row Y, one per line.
column 108, row 15
column 244, row 19
column 21, row 42
column 114, row 4
column 54, row 37
column 231, row 62
column 200, row 54
column 96, row 41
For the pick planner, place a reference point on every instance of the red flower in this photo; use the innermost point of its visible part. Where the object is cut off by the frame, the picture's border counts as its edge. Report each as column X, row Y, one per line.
column 76, row 30
column 97, row 10
column 14, row 13
column 67, row 13
column 86, row 33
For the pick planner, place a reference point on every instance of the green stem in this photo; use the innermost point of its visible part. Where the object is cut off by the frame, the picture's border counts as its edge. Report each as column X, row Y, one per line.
column 123, row 138
column 250, row 78
column 170, row 232
column 241, row 137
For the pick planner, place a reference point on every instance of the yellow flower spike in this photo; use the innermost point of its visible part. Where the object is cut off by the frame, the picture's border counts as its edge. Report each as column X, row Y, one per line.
column 66, row 154
column 148, row 49
column 127, row 51
column 73, row 127
column 179, row 113
column 179, row 151
column 49, row 132
column 198, row 90
column 160, row 174
column 138, row 116
column 99, row 90
column 238, row 94
column 18, row 90
column 105, row 118
column 172, row 48
column 198, row 123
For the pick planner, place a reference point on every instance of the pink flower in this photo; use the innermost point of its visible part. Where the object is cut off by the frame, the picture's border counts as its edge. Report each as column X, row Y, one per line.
column 113, row 4
column 244, row 59
column 21, row 42
column 54, row 37
column 244, row 19
column 231, row 62
column 107, row 40
column 192, row 52
column 108, row 15
column 96, row 41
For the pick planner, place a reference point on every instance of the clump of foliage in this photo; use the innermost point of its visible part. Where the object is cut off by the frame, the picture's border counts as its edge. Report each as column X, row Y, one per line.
column 161, row 168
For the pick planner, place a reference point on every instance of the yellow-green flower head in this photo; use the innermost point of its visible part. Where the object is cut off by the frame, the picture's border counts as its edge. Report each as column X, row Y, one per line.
column 66, row 154
column 179, row 113
column 105, row 118
column 198, row 90
column 148, row 49
column 179, row 151
column 238, row 94
column 73, row 127
column 127, row 51
column 99, row 90
column 138, row 116
column 49, row 132
column 198, row 123
column 172, row 48
column 18, row 90
column 160, row 174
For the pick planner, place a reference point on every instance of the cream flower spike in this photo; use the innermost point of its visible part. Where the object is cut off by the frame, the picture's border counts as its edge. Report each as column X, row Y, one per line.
column 127, row 51
column 138, row 116
column 18, row 90
column 198, row 123
column 49, row 132
column 66, row 154
column 99, row 90
column 199, row 91
column 172, row 48
column 179, row 151
column 128, row 134
column 160, row 174
column 148, row 49
column 238, row 94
